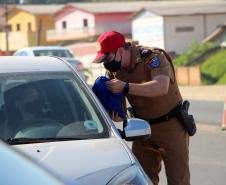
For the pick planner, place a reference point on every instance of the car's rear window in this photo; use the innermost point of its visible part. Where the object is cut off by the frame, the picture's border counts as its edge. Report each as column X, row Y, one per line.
column 59, row 53
column 48, row 105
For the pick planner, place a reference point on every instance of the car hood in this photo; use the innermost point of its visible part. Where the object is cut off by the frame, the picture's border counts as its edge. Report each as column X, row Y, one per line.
column 88, row 161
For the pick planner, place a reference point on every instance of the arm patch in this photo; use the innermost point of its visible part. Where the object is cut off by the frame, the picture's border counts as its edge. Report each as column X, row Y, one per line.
column 154, row 62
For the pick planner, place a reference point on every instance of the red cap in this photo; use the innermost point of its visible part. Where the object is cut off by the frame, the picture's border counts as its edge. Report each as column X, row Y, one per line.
column 108, row 42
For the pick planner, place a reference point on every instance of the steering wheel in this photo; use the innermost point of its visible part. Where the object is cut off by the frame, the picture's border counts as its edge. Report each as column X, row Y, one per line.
column 39, row 128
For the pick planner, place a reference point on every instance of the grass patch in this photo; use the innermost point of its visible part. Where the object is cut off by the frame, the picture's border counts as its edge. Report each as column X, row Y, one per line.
column 213, row 70
column 222, row 80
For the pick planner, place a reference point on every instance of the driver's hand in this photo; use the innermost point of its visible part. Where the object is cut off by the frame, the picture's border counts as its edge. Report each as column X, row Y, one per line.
column 115, row 117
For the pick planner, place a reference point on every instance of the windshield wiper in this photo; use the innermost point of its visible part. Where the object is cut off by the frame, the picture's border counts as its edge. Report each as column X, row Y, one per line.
column 13, row 141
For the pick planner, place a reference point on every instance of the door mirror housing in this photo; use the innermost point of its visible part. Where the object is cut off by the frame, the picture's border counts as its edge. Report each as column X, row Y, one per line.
column 135, row 129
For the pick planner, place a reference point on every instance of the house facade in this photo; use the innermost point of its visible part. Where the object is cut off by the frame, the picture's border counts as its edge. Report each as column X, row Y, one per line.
column 28, row 25
column 70, row 24
column 174, row 26
column 88, row 20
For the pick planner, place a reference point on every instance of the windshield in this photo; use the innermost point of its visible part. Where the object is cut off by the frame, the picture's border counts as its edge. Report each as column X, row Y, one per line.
column 64, row 53
column 47, row 105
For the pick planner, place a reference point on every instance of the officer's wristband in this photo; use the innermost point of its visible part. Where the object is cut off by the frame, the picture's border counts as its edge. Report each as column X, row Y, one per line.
column 126, row 88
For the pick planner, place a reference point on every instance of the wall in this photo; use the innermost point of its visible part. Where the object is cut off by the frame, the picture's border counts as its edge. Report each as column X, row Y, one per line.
column 74, row 29
column 17, row 40
column 113, row 21
column 74, row 20
column 188, row 75
column 22, row 18
column 148, row 30
column 213, row 21
column 203, row 26
column 47, row 22
column 178, row 42
column 153, row 30
column 97, row 24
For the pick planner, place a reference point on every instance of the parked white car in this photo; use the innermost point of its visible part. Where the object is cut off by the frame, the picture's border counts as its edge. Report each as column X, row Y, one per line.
column 48, row 112
column 58, row 51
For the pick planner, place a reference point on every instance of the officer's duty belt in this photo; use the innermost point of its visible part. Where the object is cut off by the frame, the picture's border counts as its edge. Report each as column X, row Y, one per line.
column 166, row 117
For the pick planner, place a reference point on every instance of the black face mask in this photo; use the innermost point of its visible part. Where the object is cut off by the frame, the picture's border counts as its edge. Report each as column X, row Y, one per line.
column 112, row 66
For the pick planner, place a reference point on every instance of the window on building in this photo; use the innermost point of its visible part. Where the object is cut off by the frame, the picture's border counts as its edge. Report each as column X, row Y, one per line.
column 17, row 27
column 85, row 23
column 185, row 29
column 64, row 24
column 29, row 26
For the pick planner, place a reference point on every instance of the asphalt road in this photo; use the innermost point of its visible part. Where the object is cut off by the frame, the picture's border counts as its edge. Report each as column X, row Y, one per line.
column 207, row 147
column 209, row 112
column 207, row 157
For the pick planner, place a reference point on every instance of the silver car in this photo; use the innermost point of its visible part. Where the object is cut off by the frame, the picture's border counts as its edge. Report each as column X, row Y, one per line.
column 58, row 51
column 48, row 112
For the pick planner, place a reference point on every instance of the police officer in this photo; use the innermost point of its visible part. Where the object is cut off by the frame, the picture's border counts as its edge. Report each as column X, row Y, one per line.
column 146, row 76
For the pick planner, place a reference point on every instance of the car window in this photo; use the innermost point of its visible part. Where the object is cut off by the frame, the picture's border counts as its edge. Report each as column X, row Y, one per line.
column 59, row 53
column 47, row 105
column 21, row 53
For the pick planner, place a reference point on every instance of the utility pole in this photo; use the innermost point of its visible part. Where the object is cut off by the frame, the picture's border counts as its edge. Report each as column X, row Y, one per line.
column 6, row 26
column 38, row 33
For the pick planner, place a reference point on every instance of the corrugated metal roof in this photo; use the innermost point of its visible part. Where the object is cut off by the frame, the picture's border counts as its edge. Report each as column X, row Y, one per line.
column 40, row 9
column 109, row 7
column 188, row 8
column 159, row 7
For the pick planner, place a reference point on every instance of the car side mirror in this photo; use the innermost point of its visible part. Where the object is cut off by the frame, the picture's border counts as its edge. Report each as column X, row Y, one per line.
column 135, row 129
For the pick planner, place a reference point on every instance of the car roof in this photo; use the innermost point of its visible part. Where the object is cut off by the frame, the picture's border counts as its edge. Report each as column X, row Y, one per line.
column 28, row 64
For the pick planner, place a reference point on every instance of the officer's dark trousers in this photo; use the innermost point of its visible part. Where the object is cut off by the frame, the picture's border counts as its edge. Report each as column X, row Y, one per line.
column 168, row 142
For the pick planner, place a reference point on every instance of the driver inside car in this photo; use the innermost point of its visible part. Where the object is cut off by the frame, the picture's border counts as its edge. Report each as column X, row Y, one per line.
column 35, row 114
column 29, row 103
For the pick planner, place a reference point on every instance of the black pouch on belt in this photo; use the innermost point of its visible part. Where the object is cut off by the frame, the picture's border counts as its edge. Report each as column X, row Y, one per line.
column 187, row 120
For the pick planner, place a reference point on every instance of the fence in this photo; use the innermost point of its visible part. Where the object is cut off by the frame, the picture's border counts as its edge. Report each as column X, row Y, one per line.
column 188, row 75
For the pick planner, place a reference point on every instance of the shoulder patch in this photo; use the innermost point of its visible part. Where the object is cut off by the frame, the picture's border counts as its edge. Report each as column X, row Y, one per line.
column 154, row 62
column 146, row 53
